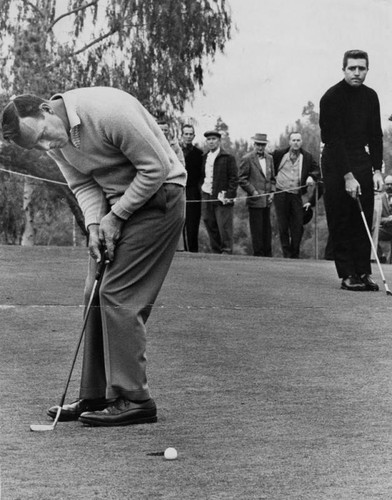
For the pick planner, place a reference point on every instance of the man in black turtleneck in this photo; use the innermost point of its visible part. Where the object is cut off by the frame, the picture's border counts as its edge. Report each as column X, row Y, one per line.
column 351, row 166
column 193, row 164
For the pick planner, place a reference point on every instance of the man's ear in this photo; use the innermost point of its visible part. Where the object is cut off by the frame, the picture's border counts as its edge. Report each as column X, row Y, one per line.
column 46, row 108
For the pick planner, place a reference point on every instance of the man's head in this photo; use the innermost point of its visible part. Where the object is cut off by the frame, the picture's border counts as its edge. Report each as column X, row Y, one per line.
column 164, row 126
column 388, row 184
column 32, row 123
column 188, row 134
column 259, row 143
column 355, row 67
column 212, row 139
column 295, row 141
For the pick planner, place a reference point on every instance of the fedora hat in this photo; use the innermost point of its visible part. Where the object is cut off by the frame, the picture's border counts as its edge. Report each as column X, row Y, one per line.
column 209, row 133
column 260, row 138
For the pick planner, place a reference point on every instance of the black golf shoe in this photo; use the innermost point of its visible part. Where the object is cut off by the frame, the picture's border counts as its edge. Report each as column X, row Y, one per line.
column 122, row 412
column 369, row 283
column 353, row 283
column 75, row 409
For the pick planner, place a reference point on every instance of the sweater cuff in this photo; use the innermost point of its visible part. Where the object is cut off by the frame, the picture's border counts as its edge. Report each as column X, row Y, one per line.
column 120, row 212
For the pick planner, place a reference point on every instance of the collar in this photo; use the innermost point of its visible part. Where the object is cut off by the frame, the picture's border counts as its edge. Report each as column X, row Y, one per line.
column 73, row 117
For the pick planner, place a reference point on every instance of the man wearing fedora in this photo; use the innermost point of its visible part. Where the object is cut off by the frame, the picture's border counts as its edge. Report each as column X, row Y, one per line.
column 257, row 179
column 295, row 169
column 218, row 190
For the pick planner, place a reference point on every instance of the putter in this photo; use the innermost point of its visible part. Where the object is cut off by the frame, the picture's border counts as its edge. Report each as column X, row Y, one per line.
column 387, row 290
column 98, row 277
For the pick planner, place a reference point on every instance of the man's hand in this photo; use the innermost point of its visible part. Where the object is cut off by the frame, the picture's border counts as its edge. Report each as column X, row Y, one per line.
column 110, row 232
column 94, row 245
column 377, row 181
column 353, row 188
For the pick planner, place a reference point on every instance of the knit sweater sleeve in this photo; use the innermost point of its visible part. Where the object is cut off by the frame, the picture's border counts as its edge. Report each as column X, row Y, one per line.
column 142, row 146
column 89, row 194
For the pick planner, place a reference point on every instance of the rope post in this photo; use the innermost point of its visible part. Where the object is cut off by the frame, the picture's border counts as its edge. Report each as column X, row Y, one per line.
column 316, row 242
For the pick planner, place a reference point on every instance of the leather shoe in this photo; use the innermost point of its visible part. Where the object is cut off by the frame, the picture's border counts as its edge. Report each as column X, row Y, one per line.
column 75, row 409
column 122, row 412
column 353, row 283
column 369, row 283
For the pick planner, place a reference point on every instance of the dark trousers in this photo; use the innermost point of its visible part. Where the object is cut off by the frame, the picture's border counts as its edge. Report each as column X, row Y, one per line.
column 289, row 213
column 260, row 230
column 192, row 218
column 218, row 220
column 114, row 361
column 351, row 245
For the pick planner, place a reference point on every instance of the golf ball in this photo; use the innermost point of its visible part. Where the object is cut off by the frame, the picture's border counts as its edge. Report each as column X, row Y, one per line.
column 170, row 454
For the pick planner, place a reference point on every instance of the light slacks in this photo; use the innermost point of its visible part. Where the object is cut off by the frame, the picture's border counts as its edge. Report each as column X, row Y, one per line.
column 114, row 360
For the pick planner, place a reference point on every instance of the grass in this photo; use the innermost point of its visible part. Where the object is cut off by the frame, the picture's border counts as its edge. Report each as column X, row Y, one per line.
column 270, row 381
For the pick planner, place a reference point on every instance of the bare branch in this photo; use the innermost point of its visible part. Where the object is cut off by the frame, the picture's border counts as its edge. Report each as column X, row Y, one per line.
column 34, row 7
column 94, row 42
column 78, row 9
column 79, row 51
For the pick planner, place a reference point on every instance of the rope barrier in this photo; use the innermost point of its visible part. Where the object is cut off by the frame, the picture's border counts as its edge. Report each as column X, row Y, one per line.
column 213, row 200
column 42, row 179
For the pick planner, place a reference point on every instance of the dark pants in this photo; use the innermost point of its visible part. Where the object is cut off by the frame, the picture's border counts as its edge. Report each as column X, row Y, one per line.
column 260, row 230
column 289, row 213
column 192, row 218
column 351, row 245
column 114, row 362
column 218, row 220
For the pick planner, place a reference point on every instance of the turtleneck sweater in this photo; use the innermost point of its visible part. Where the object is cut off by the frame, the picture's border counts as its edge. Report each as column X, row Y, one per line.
column 349, row 121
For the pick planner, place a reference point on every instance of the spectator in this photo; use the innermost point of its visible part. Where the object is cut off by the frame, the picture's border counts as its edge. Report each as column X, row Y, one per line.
column 219, row 188
column 164, row 126
column 295, row 170
column 385, row 230
column 257, row 179
column 193, row 164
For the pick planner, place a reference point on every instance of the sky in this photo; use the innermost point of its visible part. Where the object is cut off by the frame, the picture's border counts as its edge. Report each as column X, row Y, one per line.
column 285, row 53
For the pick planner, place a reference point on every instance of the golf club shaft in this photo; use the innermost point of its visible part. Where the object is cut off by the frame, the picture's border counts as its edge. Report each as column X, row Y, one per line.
column 373, row 246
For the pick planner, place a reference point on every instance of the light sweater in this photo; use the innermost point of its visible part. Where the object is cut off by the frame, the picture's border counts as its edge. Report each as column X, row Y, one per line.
column 117, row 157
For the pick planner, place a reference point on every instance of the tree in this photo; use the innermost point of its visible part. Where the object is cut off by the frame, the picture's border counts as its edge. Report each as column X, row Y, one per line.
column 157, row 51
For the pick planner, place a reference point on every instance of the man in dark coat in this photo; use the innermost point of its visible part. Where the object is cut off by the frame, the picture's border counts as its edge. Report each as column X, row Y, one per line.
column 219, row 188
column 295, row 169
column 257, row 179
column 193, row 164
column 351, row 163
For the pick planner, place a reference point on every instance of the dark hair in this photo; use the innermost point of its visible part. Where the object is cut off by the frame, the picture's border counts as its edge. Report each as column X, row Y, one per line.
column 355, row 54
column 20, row 106
column 188, row 125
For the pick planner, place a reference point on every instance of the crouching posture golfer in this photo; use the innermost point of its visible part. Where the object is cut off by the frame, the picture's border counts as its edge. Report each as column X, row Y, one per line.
column 350, row 122
column 130, row 186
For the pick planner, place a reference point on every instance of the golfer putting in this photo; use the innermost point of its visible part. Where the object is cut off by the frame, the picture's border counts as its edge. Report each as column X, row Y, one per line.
column 130, row 187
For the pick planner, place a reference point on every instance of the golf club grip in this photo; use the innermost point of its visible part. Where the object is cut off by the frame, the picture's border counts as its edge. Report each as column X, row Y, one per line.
column 101, row 265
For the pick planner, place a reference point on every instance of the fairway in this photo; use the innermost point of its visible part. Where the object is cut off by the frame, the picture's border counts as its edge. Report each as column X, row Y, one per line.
column 270, row 381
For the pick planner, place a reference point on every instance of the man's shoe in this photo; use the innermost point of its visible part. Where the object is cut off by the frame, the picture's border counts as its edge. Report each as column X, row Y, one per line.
column 353, row 283
column 75, row 409
column 369, row 283
column 122, row 412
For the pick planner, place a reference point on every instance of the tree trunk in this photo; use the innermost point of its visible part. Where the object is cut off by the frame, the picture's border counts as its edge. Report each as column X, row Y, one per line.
column 29, row 230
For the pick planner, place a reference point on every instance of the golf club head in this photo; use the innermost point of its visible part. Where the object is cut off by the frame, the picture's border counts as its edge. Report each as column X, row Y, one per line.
column 41, row 427
column 389, row 292
column 47, row 427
